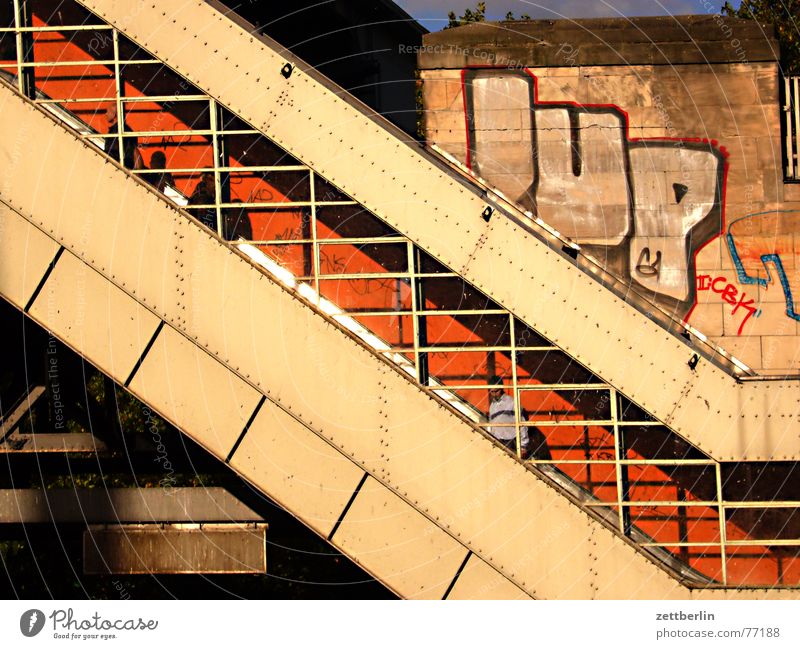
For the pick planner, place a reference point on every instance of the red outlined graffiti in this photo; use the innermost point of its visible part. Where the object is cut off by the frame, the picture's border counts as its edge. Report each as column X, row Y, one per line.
column 731, row 295
column 648, row 226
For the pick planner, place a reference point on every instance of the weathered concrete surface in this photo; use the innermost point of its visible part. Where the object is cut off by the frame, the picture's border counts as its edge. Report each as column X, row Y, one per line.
column 677, row 144
column 655, row 40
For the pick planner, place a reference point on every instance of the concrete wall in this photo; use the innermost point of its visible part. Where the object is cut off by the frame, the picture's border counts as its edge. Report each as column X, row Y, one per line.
column 669, row 174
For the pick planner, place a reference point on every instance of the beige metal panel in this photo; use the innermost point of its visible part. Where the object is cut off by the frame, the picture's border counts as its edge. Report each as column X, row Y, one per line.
column 744, row 593
column 418, row 197
column 768, row 421
column 478, row 580
column 612, row 576
column 296, row 468
column 389, row 538
column 89, row 313
column 751, row 421
column 175, row 549
column 27, row 253
column 546, row 545
column 191, row 388
column 280, row 344
column 110, row 219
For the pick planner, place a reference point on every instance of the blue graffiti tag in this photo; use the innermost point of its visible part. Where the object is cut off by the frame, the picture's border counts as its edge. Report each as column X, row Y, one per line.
column 772, row 258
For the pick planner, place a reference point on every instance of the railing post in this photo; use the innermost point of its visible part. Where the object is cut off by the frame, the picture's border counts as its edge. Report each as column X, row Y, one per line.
column 518, row 416
column 119, row 86
column 218, row 154
column 26, row 80
column 791, row 111
column 422, row 327
column 314, row 237
column 723, row 536
column 795, row 103
column 222, row 161
column 621, row 470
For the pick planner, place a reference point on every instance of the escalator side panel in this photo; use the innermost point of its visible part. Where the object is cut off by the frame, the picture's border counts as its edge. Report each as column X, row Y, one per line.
column 422, row 559
column 91, row 314
column 20, row 278
column 190, row 386
column 298, row 469
column 112, row 220
column 478, row 580
column 331, row 476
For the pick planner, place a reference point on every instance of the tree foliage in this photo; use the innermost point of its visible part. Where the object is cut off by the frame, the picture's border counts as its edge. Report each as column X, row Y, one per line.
column 477, row 15
column 510, row 16
column 785, row 15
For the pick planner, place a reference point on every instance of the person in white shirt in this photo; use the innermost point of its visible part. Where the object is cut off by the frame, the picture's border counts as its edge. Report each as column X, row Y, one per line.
column 501, row 411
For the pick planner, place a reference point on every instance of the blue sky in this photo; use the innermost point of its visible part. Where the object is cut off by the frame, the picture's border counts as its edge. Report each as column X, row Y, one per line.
column 433, row 13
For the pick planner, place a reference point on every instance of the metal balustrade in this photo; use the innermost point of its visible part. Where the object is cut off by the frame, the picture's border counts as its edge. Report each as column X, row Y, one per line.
column 728, row 524
column 791, row 123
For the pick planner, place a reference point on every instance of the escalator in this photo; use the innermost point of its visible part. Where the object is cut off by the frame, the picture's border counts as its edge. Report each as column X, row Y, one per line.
column 271, row 353
column 516, row 260
column 125, row 301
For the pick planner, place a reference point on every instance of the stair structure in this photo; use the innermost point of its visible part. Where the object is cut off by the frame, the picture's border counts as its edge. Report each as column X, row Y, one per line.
column 329, row 321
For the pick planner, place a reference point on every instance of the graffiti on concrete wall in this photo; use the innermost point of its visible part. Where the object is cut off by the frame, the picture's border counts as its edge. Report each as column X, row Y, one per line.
column 643, row 207
column 762, row 249
column 741, row 304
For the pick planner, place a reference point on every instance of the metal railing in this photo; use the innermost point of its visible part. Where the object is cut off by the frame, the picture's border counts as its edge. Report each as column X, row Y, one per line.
column 605, row 452
column 791, row 127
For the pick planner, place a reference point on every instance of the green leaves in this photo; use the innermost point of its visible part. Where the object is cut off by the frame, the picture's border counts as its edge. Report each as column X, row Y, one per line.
column 510, row 16
column 477, row 15
column 785, row 15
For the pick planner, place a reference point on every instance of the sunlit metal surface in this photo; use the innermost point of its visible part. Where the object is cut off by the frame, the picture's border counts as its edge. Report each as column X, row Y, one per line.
column 598, row 447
